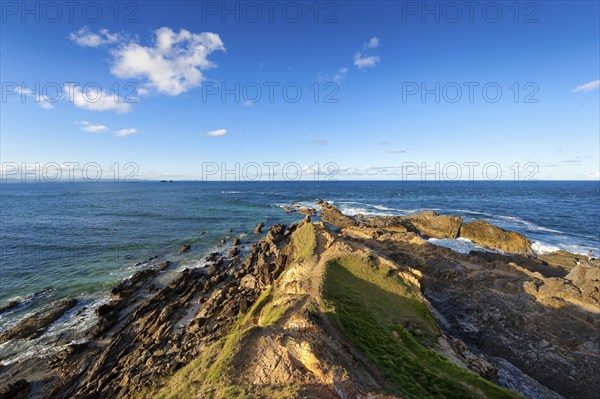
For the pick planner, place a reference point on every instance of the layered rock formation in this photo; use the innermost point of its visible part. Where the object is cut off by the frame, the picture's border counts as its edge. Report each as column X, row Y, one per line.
column 353, row 307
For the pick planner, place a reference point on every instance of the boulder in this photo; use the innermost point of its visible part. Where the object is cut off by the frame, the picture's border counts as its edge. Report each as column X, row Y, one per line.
column 430, row 224
column 258, row 228
column 487, row 235
column 184, row 248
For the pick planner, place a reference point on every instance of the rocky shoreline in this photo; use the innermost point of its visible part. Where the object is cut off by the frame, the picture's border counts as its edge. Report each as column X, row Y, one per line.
column 525, row 322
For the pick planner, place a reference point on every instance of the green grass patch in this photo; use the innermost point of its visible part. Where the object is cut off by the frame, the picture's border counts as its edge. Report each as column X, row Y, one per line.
column 376, row 309
column 305, row 241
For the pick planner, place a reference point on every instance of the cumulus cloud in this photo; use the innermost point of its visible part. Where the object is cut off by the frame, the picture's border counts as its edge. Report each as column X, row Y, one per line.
column 587, row 87
column 85, row 38
column 365, row 58
column 172, row 65
column 217, row 133
column 96, row 100
column 92, row 128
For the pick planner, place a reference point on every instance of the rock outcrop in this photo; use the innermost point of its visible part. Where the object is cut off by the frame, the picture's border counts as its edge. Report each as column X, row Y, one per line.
column 430, row 224
column 35, row 325
column 353, row 307
column 487, row 235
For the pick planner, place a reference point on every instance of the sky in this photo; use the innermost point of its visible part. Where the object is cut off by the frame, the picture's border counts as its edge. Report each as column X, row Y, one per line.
column 211, row 90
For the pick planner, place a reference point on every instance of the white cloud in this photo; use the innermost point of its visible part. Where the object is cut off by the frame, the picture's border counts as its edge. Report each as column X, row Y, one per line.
column 373, row 43
column 217, row 133
column 173, row 65
column 41, row 100
column 90, row 127
column 124, row 132
column 85, row 38
column 587, row 87
column 362, row 61
column 337, row 77
column 93, row 128
column 96, row 100
column 366, row 58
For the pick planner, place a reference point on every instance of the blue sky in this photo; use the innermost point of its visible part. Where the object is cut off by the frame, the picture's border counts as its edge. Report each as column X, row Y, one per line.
column 369, row 60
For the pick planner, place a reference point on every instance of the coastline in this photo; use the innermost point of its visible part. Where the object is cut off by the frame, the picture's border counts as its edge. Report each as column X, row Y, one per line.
column 166, row 323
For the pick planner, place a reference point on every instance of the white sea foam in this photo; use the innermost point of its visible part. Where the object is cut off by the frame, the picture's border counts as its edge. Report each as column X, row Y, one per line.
column 541, row 248
column 460, row 245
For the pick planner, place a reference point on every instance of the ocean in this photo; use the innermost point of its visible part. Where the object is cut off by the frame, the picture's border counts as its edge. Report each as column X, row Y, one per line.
column 80, row 239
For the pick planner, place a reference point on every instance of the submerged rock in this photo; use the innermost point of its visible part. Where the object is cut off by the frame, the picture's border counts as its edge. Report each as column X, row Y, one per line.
column 184, row 248
column 36, row 324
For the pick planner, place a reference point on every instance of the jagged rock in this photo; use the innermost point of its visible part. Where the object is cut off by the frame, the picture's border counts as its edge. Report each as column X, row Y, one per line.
column 37, row 323
column 234, row 252
column 9, row 306
column 211, row 257
column 236, row 241
column 130, row 285
column 163, row 265
column 258, row 228
column 184, row 248
column 566, row 259
column 287, row 209
column 334, row 216
column 487, row 235
column 308, row 211
column 15, row 390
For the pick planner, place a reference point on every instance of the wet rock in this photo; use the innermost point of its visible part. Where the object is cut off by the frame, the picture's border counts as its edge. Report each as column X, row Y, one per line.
column 287, row 209
column 234, row 252
column 163, row 265
column 132, row 284
column 16, row 390
column 184, row 248
column 36, row 324
column 211, row 257
column 236, row 242
column 9, row 306
column 222, row 241
column 308, row 211
column 258, row 228
column 487, row 235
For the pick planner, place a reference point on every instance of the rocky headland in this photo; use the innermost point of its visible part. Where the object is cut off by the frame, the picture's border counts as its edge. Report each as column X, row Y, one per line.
column 336, row 307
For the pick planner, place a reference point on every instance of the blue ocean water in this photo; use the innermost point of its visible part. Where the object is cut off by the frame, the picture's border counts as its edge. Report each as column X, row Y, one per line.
column 61, row 239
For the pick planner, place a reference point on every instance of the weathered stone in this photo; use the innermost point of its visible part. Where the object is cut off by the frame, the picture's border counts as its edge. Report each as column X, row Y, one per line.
column 487, row 235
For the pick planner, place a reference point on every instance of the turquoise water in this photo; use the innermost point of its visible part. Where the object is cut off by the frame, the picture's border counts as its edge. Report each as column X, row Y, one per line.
column 61, row 239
